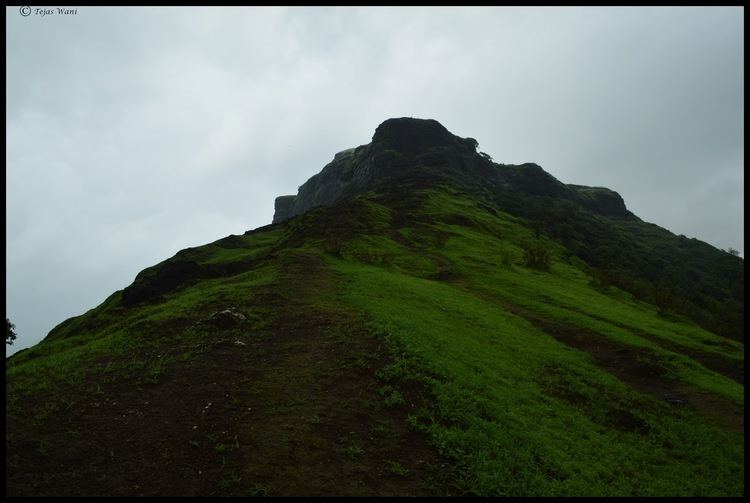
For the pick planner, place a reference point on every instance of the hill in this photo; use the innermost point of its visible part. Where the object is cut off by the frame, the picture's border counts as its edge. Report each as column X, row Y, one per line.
column 418, row 320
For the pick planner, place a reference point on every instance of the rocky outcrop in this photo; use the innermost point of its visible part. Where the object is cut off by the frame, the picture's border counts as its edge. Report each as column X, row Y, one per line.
column 601, row 200
column 412, row 137
column 283, row 208
column 228, row 318
column 530, row 178
column 154, row 282
column 422, row 149
column 397, row 146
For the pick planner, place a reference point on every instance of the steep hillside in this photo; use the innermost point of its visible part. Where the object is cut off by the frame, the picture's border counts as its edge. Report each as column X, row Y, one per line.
column 428, row 330
column 681, row 275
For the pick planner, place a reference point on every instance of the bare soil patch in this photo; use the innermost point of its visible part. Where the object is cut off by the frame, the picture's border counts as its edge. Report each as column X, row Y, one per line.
column 292, row 409
column 639, row 368
column 729, row 367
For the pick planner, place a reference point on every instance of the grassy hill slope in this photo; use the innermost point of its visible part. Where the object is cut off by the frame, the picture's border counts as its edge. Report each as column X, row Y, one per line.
column 383, row 345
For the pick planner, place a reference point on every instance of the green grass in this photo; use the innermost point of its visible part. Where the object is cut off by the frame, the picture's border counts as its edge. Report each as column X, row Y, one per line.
column 110, row 333
column 396, row 468
column 493, row 417
column 518, row 411
column 391, row 396
column 354, row 451
column 565, row 294
column 492, row 371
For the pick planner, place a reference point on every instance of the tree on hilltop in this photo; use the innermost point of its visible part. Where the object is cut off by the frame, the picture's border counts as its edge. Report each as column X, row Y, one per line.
column 10, row 334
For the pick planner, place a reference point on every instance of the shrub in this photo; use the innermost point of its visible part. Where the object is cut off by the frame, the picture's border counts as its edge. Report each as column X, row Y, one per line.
column 506, row 257
column 537, row 256
column 333, row 246
column 664, row 298
column 10, row 333
column 599, row 280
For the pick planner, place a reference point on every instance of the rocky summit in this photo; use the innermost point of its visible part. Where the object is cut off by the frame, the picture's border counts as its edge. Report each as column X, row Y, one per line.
column 408, row 148
column 418, row 320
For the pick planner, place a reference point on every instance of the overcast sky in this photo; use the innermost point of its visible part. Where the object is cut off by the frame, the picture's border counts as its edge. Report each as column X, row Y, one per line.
column 135, row 132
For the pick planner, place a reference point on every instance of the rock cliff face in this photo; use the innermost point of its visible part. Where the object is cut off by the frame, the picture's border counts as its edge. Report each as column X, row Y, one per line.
column 423, row 149
column 283, row 208
column 601, row 200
